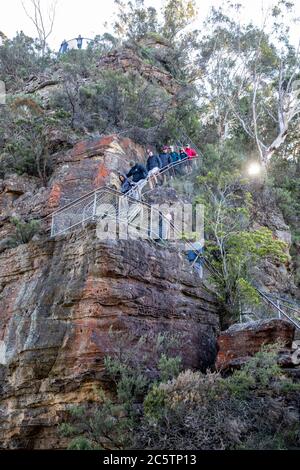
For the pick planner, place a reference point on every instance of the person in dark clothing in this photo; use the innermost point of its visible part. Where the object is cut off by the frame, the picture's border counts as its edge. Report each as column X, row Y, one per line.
column 195, row 257
column 138, row 172
column 174, row 155
column 126, row 185
column 79, row 42
column 64, row 47
column 182, row 154
column 153, row 161
column 153, row 167
column 165, row 158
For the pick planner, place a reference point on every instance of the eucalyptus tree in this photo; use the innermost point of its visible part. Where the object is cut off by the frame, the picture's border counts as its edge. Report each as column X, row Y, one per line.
column 250, row 77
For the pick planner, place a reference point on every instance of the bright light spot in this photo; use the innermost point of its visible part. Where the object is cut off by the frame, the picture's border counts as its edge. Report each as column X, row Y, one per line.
column 254, row 169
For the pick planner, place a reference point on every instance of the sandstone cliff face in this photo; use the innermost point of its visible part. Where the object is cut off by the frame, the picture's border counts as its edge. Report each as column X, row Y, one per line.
column 242, row 340
column 58, row 301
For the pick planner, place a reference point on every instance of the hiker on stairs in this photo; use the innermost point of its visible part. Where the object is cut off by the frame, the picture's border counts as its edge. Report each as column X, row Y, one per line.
column 153, row 166
column 165, row 158
column 137, row 171
column 182, row 154
column 194, row 256
column 174, row 155
column 191, row 154
column 126, row 185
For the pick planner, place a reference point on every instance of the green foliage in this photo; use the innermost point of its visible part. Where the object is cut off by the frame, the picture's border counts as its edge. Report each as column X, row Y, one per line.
column 81, row 443
column 254, row 408
column 113, row 103
column 111, row 424
column 247, row 293
column 233, row 247
column 24, row 231
column 169, row 367
column 284, row 179
column 134, row 20
column 20, row 58
column 122, row 102
column 189, row 410
column 178, row 14
column 27, row 132
column 259, row 373
column 154, row 403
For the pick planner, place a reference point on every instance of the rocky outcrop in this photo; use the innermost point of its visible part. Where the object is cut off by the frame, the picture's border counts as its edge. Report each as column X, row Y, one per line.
column 243, row 340
column 58, row 301
column 127, row 61
column 86, row 166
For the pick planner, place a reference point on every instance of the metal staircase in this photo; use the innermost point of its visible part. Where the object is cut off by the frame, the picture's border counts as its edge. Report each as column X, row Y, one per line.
column 107, row 202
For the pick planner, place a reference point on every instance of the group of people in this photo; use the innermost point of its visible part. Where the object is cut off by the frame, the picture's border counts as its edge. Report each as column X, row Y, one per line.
column 65, row 45
column 156, row 164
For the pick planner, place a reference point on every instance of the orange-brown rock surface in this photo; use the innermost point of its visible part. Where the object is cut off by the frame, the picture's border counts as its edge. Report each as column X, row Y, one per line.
column 58, row 300
column 86, row 166
column 243, row 340
column 126, row 60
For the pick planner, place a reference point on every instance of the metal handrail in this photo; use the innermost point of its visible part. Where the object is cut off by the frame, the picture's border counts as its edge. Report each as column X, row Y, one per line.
column 107, row 188
column 168, row 168
column 81, row 198
column 284, row 300
column 266, row 298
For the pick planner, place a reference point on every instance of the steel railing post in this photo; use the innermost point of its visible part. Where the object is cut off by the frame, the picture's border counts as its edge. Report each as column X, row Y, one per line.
column 94, row 206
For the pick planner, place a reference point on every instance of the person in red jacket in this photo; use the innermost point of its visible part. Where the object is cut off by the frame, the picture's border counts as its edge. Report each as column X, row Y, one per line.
column 191, row 153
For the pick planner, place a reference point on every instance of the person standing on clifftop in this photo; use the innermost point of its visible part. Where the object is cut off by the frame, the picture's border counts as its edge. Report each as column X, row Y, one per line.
column 79, row 42
column 63, row 47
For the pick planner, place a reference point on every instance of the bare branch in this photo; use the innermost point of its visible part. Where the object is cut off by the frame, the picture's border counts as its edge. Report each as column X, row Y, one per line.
column 37, row 17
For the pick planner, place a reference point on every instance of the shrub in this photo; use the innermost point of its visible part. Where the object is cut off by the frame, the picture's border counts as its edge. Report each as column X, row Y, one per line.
column 20, row 58
column 26, row 131
column 255, row 408
column 25, row 231
column 111, row 423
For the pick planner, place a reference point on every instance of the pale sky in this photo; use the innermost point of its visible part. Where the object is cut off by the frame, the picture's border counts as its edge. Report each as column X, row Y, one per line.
column 87, row 17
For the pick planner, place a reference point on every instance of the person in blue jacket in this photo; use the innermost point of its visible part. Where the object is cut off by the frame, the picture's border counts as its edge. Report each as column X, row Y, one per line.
column 137, row 171
column 64, row 47
column 195, row 257
column 153, row 161
column 153, row 167
column 174, row 155
column 165, row 158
